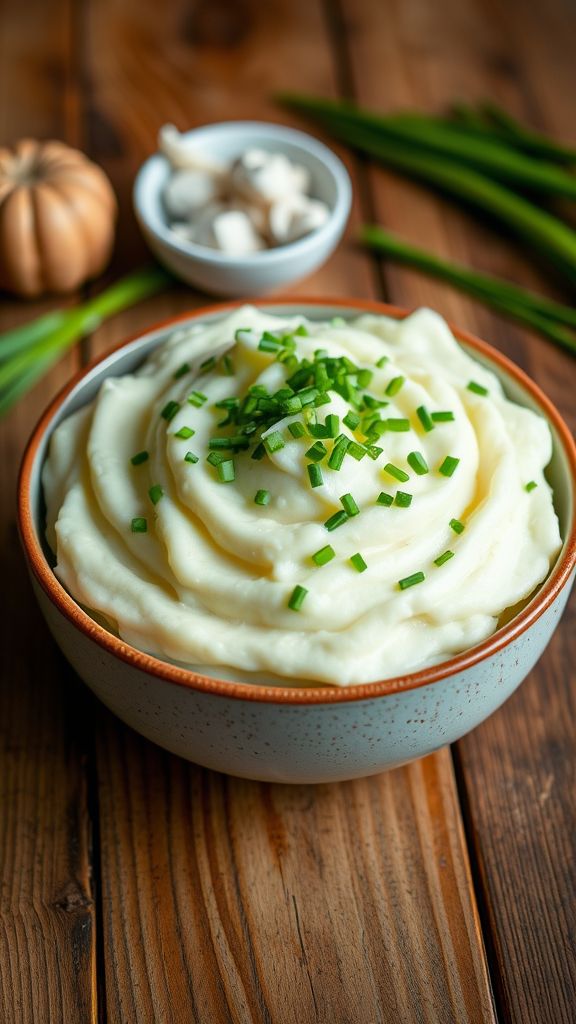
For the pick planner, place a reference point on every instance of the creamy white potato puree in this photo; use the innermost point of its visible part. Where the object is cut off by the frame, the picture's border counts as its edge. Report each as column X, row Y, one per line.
column 447, row 517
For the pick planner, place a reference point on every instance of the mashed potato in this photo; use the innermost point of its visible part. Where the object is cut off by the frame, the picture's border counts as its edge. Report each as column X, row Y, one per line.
column 377, row 514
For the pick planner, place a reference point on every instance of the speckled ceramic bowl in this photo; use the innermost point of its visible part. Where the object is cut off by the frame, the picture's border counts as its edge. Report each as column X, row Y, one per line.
column 297, row 735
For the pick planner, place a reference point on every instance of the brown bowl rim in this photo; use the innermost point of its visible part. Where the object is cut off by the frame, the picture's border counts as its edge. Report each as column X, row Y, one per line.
column 292, row 695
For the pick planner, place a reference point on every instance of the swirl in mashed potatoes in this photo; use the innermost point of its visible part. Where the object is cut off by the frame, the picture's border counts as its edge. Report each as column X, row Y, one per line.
column 183, row 511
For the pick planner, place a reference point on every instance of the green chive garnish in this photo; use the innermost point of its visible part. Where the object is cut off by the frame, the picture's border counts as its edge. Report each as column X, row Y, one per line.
column 208, row 364
column 215, row 458
column 169, row 411
column 197, row 398
column 456, row 525
column 373, row 451
column 315, row 475
column 258, row 453
column 297, row 598
column 336, row 520
column 384, row 499
column 139, row 458
column 139, row 525
column 349, row 505
column 418, row 463
column 262, row 497
column 185, row 433
column 324, row 555
column 397, row 473
column 394, row 385
column 301, row 331
column 530, row 486
column 268, row 344
column 351, row 419
column 403, row 499
column 333, row 424
column 425, row 418
column 228, row 366
column 410, row 581
column 444, row 558
column 356, row 451
column 337, row 454
column 191, row 457
column 184, row 369
column 443, row 417
column 364, row 378
column 274, row 442
column 478, row 389
column 358, row 562
column 382, row 361
column 155, row 493
column 316, row 452
column 448, row 466
column 398, row 425
column 297, row 429
column 225, row 471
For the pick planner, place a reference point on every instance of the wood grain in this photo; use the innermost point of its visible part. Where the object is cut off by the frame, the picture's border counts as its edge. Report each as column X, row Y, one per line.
column 285, row 904
column 47, row 919
column 516, row 771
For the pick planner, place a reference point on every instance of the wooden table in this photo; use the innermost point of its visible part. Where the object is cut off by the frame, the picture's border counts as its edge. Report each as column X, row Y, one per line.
column 137, row 888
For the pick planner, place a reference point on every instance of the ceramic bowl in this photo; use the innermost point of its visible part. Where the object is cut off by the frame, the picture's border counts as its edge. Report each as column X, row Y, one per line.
column 255, row 274
column 297, row 735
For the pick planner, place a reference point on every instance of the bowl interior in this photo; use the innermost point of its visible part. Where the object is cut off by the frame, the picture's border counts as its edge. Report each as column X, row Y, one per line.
column 560, row 473
column 225, row 142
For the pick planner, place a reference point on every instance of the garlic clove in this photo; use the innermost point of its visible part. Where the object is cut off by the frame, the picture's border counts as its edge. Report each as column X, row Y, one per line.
column 234, row 233
column 187, row 192
column 263, row 178
column 183, row 156
column 293, row 217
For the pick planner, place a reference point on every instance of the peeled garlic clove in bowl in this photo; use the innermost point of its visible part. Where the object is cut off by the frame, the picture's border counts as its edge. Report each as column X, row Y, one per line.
column 263, row 177
column 294, row 217
column 183, row 156
column 227, row 229
column 187, row 192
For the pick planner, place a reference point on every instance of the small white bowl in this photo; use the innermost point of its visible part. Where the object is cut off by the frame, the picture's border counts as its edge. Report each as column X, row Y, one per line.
column 257, row 273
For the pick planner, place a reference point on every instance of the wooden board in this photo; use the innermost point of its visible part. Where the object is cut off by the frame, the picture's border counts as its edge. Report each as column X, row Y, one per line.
column 190, row 895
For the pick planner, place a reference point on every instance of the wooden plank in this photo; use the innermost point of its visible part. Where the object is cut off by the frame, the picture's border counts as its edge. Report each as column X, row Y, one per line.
column 284, row 904
column 226, row 900
column 47, row 921
column 515, row 771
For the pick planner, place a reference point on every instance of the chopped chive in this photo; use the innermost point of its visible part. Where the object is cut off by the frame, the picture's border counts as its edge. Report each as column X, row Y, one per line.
column 220, row 442
column 274, row 442
column 291, row 405
column 456, row 525
column 373, row 451
column 169, row 411
column 228, row 365
column 297, row 429
column 410, row 581
column 225, row 471
column 337, row 454
column 197, row 398
column 418, row 463
column 444, row 558
column 333, row 424
column 384, row 499
column 397, row 473
column 322, row 399
column 301, row 331
column 364, row 378
column 349, row 505
column 155, row 493
column 191, row 457
column 382, row 361
column 443, row 417
column 268, row 344
column 398, row 425
column 208, row 364
column 374, row 403
column 259, row 452
column 336, row 520
column 351, row 419
column 139, row 458
column 185, row 433
column 448, row 466
column 262, row 497
column 478, row 389
column 324, row 555
column 358, row 562
column 356, row 451
column 393, row 387
column 318, row 430
column 315, row 475
column 297, row 598
column 530, row 486
column 182, row 371
column 316, row 452
column 215, row 458
column 425, row 418
column 403, row 499
column 139, row 525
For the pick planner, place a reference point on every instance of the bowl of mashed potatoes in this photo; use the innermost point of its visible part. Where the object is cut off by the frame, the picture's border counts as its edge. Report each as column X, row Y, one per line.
column 302, row 542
